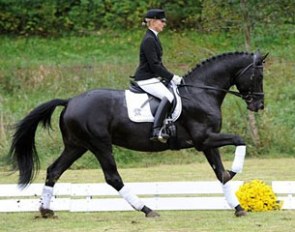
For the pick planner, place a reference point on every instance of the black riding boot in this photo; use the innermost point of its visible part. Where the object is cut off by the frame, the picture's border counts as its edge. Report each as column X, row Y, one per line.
column 158, row 121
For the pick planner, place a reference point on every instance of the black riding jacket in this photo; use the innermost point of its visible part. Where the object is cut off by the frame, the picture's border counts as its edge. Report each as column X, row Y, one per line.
column 151, row 59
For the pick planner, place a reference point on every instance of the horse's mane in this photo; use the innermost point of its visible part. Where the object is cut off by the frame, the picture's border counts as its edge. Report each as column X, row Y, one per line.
column 214, row 58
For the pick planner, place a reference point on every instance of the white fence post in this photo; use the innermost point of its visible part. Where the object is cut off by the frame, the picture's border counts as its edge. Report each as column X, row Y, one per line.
column 199, row 195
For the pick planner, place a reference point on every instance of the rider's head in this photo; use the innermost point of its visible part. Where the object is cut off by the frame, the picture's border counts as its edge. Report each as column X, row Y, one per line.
column 155, row 19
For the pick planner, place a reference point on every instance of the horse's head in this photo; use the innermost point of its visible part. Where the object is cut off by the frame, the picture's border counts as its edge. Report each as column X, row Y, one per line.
column 249, row 82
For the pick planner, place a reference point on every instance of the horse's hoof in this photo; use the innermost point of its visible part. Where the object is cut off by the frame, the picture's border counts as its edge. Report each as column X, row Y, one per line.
column 240, row 213
column 47, row 213
column 152, row 214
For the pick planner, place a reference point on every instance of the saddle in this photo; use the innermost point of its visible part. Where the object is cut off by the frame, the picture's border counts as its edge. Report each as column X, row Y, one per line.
column 142, row 107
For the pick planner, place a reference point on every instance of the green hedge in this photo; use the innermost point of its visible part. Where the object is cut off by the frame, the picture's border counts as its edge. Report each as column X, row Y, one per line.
column 56, row 17
column 51, row 17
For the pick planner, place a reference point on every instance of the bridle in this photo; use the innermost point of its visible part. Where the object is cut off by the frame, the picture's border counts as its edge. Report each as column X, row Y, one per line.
column 247, row 96
column 251, row 94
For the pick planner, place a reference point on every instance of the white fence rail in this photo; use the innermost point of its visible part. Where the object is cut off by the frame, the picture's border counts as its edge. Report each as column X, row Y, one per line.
column 201, row 195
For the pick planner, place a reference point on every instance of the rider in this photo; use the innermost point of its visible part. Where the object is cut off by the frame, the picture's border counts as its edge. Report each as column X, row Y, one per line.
column 151, row 75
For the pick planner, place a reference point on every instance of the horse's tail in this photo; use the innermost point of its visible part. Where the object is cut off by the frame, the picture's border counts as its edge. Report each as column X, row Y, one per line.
column 23, row 150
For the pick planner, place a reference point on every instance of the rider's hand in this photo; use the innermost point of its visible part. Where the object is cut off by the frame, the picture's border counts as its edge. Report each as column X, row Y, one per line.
column 176, row 79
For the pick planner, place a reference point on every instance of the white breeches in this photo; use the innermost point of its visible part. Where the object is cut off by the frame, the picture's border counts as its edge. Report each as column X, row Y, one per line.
column 156, row 88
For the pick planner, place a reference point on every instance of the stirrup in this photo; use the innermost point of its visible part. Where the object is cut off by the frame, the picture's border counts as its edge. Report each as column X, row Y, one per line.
column 163, row 137
column 160, row 136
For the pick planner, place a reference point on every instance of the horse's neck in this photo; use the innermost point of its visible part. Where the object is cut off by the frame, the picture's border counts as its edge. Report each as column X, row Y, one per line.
column 208, row 76
column 217, row 73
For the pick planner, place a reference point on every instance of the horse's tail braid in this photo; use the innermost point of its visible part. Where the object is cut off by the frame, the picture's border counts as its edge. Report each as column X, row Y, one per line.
column 23, row 150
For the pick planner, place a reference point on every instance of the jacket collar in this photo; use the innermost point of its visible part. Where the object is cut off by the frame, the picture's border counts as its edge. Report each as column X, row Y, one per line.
column 155, row 32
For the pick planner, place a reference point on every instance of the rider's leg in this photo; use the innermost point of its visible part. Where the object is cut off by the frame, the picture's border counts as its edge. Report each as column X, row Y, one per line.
column 160, row 116
column 156, row 88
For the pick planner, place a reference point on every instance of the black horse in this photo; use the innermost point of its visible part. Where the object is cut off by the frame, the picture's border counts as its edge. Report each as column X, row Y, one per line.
column 97, row 119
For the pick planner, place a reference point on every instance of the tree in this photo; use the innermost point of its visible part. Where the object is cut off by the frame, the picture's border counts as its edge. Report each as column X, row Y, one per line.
column 247, row 34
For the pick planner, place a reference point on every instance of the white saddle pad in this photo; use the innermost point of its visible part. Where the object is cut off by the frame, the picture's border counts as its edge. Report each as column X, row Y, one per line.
column 139, row 109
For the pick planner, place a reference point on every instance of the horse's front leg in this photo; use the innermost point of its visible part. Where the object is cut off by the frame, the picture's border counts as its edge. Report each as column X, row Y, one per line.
column 215, row 140
column 214, row 160
column 114, row 179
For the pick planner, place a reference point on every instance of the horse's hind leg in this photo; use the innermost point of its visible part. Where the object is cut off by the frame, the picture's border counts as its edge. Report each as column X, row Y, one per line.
column 54, row 171
column 213, row 157
column 103, row 153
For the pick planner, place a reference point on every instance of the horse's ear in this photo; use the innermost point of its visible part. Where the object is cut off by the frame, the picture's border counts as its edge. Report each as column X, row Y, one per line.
column 264, row 57
column 258, row 58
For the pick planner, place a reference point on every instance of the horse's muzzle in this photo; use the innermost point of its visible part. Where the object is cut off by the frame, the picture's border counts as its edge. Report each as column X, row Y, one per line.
column 255, row 105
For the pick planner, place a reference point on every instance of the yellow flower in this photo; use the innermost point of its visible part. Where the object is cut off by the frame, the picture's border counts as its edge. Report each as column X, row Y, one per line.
column 257, row 196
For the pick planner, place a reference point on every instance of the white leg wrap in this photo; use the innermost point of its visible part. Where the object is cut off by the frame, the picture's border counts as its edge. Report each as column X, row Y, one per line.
column 46, row 197
column 230, row 195
column 131, row 198
column 239, row 159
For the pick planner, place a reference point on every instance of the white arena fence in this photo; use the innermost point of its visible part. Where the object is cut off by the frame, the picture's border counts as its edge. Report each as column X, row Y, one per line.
column 200, row 195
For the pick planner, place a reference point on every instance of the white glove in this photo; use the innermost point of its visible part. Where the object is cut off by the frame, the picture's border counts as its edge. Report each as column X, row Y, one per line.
column 176, row 79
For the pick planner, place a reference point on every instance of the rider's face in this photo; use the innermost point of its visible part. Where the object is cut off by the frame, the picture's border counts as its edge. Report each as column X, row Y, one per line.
column 158, row 24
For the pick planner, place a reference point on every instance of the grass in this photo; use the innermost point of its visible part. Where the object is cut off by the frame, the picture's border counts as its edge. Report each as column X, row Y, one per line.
column 178, row 221
column 34, row 70
column 254, row 168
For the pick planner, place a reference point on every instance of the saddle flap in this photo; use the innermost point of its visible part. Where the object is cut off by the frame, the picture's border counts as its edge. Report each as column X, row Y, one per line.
column 139, row 109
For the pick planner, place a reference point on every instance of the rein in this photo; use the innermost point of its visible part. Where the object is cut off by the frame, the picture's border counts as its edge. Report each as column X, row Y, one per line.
column 235, row 93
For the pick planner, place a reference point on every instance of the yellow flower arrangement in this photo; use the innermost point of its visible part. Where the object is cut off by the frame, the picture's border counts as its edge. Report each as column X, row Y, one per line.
column 257, row 196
